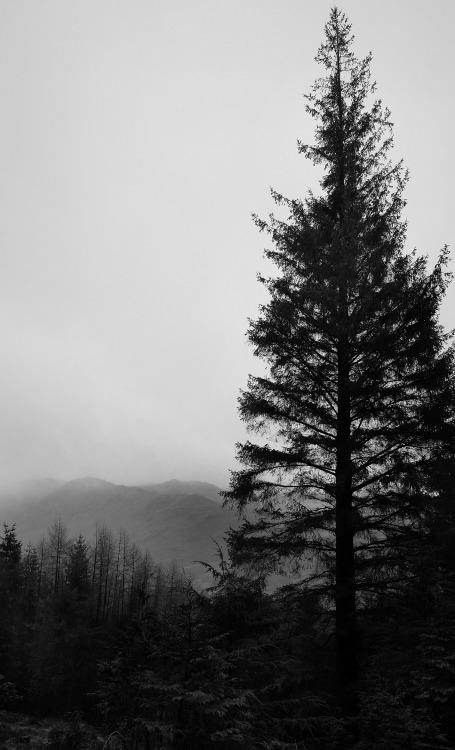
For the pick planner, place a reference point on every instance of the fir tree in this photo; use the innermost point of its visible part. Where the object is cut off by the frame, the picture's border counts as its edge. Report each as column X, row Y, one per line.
column 77, row 577
column 358, row 400
column 10, row 548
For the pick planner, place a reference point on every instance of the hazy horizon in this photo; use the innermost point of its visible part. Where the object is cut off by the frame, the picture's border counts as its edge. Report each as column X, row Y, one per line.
column 138, row 138
column 33, row 481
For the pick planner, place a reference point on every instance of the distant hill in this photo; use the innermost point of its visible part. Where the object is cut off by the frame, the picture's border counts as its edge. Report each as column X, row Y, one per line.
column 176, row 487
column 173, row 520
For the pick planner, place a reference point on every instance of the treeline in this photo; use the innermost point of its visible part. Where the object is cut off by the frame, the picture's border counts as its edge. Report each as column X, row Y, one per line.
column 100, row 629
column 62, row 605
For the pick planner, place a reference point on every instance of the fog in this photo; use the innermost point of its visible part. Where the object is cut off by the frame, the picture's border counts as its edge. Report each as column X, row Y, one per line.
column 137, row 138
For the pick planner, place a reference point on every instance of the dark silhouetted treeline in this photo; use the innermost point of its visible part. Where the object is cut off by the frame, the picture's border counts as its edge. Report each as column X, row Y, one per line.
column 99, row 631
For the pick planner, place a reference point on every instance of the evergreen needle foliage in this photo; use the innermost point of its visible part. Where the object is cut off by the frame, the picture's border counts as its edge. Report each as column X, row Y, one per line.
column 358, row 400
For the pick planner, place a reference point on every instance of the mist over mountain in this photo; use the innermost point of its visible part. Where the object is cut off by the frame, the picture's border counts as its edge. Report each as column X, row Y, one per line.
column 177, row 487
column 175, row 520
column 27, row 490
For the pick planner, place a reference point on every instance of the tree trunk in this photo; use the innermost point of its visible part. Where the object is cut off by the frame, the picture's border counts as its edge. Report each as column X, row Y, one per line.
column 345, row 607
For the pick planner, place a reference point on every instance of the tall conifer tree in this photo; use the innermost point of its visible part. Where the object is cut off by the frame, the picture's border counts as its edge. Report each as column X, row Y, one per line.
column 358, row 398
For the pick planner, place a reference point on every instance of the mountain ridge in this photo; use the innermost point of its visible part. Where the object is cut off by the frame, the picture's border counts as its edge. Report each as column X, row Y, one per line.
column 171, row 520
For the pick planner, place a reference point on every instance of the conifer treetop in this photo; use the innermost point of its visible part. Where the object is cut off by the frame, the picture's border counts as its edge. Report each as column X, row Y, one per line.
column 360, row 373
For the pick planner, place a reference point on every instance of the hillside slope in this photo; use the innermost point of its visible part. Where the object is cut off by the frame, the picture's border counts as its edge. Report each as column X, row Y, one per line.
column 169, row 520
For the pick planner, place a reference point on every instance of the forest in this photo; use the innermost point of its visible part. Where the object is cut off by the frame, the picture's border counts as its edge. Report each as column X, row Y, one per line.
column 115, row 651
column 348, row 488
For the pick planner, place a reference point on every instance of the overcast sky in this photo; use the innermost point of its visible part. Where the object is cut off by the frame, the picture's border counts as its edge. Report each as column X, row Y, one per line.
column 137, row 138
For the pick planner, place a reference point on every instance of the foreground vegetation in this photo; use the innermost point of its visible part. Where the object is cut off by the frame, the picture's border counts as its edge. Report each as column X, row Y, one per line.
column 232, row 667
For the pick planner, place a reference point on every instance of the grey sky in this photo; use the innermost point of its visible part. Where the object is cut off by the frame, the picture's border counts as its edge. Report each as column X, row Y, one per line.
column 137, row 138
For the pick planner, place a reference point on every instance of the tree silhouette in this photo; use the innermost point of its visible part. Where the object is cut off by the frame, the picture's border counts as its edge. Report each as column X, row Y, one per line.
column 358, row 399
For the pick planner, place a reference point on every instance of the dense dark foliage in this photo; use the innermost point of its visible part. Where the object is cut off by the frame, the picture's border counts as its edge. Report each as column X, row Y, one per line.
column 98, row 630
column 232, row 667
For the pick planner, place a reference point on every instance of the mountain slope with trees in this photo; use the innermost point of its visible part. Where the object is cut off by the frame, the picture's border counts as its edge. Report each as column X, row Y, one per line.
column 174, row 520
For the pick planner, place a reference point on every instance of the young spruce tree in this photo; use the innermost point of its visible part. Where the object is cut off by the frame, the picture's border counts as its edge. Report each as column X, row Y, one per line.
column 358, row 399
